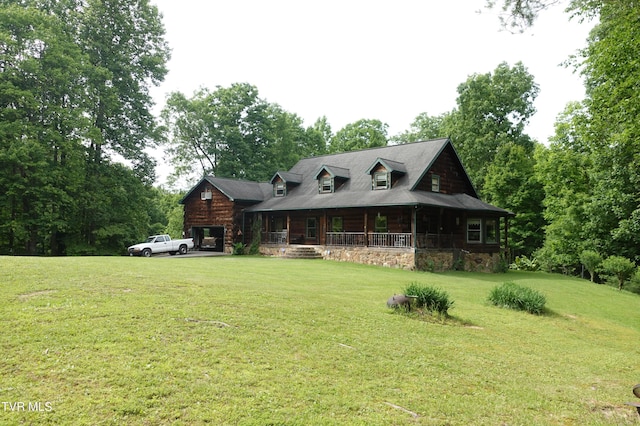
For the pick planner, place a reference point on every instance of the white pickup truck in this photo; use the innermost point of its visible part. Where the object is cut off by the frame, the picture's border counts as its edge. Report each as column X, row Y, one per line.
column 161, row 244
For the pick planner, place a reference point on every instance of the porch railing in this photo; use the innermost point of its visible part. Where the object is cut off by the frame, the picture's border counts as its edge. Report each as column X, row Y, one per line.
column 389, row 239
column 279, row 237
column 346, row 239
column 437, row 241
column 351, row 239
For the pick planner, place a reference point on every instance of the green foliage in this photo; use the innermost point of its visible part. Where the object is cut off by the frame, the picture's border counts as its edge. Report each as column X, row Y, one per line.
column 619, row 267
column 424, row 127
column 592, row 261
column 634, row 284
column 74, row 96
column 429, row 298
column 492, row 110
column 239, row 249
column 360, row 135
column 523, row 263
column 511, row 183
column 233, row 132
column 520, row 298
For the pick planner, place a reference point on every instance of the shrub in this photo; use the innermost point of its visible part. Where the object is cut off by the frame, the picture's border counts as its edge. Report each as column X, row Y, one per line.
column 591, row 260
column 512, row 296
column 429, row 298
column 238, row 248
column 619, row 267
column 523, row 263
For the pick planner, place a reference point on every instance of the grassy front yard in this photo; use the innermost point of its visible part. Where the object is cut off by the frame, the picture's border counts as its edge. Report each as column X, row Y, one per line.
column 248, row 340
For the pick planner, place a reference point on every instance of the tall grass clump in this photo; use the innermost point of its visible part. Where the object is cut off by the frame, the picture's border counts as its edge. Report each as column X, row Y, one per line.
column 512, row 296
column 429, row 298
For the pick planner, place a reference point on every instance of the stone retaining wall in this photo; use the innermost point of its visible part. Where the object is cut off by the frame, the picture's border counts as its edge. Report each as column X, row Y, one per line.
column 403, row 258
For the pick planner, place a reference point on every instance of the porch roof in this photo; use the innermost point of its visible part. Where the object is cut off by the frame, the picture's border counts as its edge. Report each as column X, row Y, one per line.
column 378, row 199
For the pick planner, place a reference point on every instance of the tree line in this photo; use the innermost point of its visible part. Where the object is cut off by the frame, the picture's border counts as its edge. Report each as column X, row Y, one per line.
column 75, row 129
column 75, row 123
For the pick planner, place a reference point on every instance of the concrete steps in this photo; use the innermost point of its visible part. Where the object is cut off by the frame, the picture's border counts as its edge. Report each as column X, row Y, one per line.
column 302, row 252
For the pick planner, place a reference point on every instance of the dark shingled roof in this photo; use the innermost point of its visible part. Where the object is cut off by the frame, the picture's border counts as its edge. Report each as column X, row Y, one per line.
column 287, row 177
column 411, row 160
column 236, row 190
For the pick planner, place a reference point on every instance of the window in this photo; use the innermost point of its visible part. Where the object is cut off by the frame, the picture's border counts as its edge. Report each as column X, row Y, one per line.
column 381, row 180
column 491, row 231
column 435, row 183
column 336, row 224
column 381, row 224
column 474, row 230
column 326, row 184
column 160, row 239
column 280, row 189
column 311, row 227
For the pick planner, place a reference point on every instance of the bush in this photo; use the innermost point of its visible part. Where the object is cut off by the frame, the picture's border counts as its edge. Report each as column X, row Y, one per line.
column 512, row 296
column 619, row 267
column 592, row 261
column 238, row 248
column 523, row 263
column 429, row 298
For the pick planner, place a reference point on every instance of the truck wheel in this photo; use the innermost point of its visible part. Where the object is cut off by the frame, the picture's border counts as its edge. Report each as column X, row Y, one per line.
column 183, row 249
column 146, row 252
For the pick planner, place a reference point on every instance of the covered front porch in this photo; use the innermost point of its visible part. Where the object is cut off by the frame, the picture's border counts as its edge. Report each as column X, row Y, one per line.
column 417, row 227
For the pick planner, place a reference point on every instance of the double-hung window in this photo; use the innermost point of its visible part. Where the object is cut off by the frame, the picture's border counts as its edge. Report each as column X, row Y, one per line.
column 435, row 183
column 381, row 180
column 474, row 230
column 280, row 189
column 326, row 184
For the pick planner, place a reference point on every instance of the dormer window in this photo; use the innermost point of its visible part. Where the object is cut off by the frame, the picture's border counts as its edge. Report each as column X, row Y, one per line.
column 331, row 178
column 325, row 184
column 279, row 189
column 385, row 173
column 381, row 180
column 284, row 182
column 435, row 183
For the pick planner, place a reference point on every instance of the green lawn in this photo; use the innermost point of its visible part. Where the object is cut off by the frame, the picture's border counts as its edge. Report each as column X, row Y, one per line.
column 248, row 340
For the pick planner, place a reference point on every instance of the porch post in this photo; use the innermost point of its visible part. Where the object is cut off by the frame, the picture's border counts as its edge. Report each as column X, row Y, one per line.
column 288, row 227
column 506, row 239
column 414, row 227
column 366, row 235
column 323, row 228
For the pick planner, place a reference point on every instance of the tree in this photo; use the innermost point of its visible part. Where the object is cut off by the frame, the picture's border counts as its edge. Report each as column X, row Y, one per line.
column 512, row 184
column 620, row 267
column 424, row 127
column 125, row 46
column 360, row 135
column 74, row 80
column 232, row 132
column 493, row 109
column 592, row 261
column 40, row 153
column 563, row 169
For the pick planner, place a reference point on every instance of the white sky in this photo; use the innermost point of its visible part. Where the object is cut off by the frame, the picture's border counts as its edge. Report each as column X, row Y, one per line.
column 354, row 59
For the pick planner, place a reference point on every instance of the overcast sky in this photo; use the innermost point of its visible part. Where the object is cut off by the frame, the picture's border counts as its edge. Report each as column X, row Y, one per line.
column 353, row 59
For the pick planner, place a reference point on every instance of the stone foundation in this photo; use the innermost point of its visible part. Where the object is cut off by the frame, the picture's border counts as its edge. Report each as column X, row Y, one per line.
column 402, row 258
column 389, row 257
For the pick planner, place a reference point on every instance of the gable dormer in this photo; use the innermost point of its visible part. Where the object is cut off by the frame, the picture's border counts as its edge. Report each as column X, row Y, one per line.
column 283, row 181
column 331, row 178
column 445, row 174
column 385, row 173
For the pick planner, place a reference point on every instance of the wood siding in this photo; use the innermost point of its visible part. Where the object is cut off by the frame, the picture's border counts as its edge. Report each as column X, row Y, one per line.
column 219, row 211
column 452, row 175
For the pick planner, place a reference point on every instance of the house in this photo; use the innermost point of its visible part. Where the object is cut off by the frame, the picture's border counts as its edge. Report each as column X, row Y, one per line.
column 411, row 206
